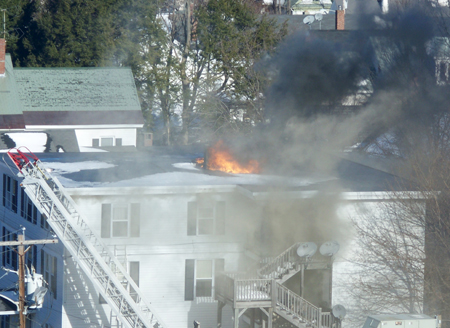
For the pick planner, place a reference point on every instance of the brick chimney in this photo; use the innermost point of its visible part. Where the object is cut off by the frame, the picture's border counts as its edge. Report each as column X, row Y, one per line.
column 2, row 56
column 340, row 18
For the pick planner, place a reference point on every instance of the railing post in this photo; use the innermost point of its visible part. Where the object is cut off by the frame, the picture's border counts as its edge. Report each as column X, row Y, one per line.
column 234, row 293
column 319, row 321
column 274, row 291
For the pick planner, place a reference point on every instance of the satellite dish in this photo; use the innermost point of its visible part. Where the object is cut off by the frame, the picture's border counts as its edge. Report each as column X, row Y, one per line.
column 308, row 20
column 307, row 249
column 318, row 17
column 339, row 311
column 329, row 248
column 323, row 11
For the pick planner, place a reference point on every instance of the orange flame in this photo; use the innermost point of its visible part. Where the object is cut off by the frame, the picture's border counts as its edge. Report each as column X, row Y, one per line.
column 221, row 159
column 199, row 162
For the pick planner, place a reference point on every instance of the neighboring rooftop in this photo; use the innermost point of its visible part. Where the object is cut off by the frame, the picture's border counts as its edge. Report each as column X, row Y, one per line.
column 76, row 89
column 9, row 103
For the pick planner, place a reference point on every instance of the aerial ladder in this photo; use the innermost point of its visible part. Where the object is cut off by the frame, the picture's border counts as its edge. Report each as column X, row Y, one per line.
column 87, row 249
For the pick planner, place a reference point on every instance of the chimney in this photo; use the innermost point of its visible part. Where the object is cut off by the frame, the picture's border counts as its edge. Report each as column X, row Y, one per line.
column 2, row 56
column 340, row 18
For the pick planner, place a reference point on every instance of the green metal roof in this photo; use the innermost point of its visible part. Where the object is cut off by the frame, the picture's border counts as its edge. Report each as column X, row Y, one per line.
column 76, row 89
column 9, row 99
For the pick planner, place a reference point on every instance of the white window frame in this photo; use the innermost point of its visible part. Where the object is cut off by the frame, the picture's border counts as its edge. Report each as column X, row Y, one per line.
column 127, row 227
column 115, row 206
column 199, row 219
column 196, row 279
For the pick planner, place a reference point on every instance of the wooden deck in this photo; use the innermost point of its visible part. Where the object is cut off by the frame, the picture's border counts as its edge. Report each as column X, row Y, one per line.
column 241, row 292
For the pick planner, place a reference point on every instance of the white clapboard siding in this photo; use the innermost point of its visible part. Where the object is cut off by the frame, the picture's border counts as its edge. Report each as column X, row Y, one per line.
column 81, row 301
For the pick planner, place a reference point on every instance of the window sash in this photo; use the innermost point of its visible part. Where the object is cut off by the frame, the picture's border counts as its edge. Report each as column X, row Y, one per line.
column 49, row 268
column 206, row 220
column 27, row 209
column 203, row 288
column 200, row 277
column 10, row 193
column 120, row 220
column 204, row 269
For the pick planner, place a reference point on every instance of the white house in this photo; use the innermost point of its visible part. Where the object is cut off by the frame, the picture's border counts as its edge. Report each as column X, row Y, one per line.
column 175, row 227
column 78, row 108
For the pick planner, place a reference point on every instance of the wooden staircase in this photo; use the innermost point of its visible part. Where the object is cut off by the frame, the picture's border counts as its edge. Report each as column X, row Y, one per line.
column 282, row 267
column 265, row 290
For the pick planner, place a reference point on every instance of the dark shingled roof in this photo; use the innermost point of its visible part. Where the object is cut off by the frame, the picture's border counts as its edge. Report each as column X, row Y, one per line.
column 11, row 122
column 83, row 117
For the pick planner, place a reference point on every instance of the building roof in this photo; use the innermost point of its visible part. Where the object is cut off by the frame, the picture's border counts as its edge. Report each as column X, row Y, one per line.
column 9, row 104
column 48, row 97
column 86, row 117
column 162, row 167
column 76, row 89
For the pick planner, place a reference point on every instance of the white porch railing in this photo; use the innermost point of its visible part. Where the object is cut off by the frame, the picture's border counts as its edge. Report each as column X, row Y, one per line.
column 235, row 288
column 280, row 264
column 298, row 307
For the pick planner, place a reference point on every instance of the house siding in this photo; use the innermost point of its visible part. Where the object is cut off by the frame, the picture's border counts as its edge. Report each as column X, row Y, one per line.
column 164, row 245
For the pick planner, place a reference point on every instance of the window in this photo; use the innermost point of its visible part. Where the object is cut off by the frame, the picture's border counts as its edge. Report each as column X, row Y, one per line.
column 27, row 209
column 9, row 193
column 9, row 256
column 107, row 141
column 5, row 321
column 206, row 219
column 203, row 278
column 120, row 220
column 134, row 274
column 49, row 269
column 199, row 277
column 44, row 222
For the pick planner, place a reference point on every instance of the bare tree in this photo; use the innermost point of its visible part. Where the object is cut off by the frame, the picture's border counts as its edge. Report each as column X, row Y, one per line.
column 403, row 256
column 389, row 258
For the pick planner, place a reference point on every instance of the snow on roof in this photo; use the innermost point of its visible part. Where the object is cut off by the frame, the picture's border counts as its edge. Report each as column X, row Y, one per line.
column 63, row 168
column 35, row 141
column 165, row 167
column 184, row 174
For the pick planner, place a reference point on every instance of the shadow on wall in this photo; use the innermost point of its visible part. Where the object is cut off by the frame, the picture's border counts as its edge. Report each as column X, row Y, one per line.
column 82, row 304
column 204, row 311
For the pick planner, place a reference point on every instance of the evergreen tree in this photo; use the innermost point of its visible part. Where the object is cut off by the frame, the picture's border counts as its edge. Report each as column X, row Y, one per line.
column 74, row 32
column 235, row 37
column 20, row 27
